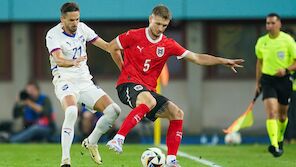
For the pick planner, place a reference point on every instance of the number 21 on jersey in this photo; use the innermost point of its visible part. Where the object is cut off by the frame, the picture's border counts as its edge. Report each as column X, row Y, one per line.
column 146, row 65
column 77, row 52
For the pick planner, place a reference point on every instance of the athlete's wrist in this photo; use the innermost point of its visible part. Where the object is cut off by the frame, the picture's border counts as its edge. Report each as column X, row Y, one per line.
column 74, row 62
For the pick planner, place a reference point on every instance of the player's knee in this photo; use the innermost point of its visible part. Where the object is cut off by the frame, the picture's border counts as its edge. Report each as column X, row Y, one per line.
column 271, row 115
column 113, row 109
column 116, row 108
column 282, row 117
column 271, row 112
column 147, row 99
column 151, row 103
column 178, row 114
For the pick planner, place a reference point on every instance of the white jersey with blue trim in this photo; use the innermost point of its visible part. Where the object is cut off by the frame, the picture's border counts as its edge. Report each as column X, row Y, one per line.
column 72, row 47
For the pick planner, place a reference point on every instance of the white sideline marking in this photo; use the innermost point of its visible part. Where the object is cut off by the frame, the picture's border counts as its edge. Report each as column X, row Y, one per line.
column 194, row 158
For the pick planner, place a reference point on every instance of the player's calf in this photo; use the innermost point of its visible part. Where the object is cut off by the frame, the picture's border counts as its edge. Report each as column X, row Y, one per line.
column 111, row 113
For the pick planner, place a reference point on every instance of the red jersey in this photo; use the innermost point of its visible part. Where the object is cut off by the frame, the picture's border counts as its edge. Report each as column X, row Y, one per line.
column 144, row 57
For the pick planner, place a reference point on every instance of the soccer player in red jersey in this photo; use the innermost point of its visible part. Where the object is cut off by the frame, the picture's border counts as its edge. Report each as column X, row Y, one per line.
column 146, row 51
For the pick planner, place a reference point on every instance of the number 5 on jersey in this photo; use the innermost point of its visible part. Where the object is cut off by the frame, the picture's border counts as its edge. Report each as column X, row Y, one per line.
column 146, row 65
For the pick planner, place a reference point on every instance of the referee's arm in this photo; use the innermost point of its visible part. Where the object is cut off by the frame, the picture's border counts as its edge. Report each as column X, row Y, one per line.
column 258, row 74
column 292, row 53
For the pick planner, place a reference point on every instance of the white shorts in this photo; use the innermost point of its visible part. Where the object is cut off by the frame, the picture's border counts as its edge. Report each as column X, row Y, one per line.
column 84, row 90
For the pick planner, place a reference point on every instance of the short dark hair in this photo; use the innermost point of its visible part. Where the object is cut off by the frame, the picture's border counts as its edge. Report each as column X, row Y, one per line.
column 69, row 7
column 34, row 83
column 274, row 15
column 162, row 11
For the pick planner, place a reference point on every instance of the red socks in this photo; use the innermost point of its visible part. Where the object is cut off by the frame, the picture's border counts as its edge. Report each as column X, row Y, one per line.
column 133, row 118
column 174, row 136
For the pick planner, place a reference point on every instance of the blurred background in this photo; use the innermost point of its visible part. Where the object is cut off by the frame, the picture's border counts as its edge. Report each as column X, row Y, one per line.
column 211, row 97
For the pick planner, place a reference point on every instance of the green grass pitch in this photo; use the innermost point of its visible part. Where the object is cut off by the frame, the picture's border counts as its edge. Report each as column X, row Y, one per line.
column 48, row 155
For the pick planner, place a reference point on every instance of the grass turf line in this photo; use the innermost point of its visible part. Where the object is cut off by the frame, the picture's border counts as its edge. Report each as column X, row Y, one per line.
column 48, row 155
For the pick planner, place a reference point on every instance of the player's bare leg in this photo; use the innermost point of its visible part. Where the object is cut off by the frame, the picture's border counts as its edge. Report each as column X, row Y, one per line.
column 67, row 134
column 145, row 102
column 111, row 112
column 174, row 134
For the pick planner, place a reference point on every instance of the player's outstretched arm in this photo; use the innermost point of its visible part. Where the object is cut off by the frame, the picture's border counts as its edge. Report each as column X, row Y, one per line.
column 99, row 42
column 115, row 52
column 205, row 59
column 62, row 62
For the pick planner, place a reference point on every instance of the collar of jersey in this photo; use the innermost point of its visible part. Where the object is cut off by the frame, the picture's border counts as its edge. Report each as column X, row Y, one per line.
column 69, row 35
column 150, row 39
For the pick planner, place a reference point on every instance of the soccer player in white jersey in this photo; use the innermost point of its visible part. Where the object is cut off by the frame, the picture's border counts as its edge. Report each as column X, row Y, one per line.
column 66, row 43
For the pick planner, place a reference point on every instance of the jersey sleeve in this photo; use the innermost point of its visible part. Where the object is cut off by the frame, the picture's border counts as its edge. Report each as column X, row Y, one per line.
column 292, row 48
column 257, row 50
column 178, row 50
column 124, row 40
column 89, row 33
column 52, row 43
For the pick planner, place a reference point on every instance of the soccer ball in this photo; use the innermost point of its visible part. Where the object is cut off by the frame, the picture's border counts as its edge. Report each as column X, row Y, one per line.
column 153, row 157
column 233, row 138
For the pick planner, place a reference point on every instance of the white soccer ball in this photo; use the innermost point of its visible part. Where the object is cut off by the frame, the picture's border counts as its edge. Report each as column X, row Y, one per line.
column 153, row 157
column 233, row 138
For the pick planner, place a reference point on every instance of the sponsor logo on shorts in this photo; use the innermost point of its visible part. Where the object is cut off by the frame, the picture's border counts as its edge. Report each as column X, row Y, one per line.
column 138, row 87
column 65, row 87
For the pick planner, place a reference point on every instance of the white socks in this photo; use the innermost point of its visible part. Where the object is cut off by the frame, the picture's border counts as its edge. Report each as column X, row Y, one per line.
column 118, row 136
column 170, row 158
column 111, row 113
column 67, row 133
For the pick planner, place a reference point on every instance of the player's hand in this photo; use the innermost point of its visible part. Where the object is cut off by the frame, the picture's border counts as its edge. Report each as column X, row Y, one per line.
column 281, row 72
column 77, row 61
column 258, row 88
column 27, row 101
column 234, row 63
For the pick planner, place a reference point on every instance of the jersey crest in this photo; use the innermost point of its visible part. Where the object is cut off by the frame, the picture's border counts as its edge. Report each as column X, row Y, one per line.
column 81, row 38
column 281, row 55
column 160, row 51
